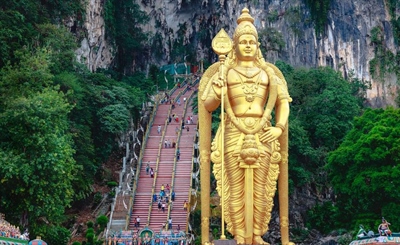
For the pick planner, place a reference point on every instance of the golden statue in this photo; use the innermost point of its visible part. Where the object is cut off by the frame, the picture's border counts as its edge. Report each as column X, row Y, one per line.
column 250, row 154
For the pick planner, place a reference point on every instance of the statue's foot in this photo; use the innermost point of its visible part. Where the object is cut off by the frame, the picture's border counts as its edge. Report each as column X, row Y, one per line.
column 290, row 243
column 259, row 240
column 239, row 240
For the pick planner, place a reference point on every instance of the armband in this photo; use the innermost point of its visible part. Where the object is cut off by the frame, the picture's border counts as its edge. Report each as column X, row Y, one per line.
column 280, row 125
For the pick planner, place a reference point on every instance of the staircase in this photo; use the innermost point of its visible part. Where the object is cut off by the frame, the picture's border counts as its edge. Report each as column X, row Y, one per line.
column 144, row 189
column 182, row 180
column 162, row 159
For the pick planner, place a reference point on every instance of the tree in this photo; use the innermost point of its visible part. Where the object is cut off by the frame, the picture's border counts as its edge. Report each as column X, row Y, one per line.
column 364, row 169
column 19, row 20
column 114, row 118
column 327, row 105
column 61, row 45
column 322, row 111
column 36, row 157
column 31, row 74
column 37, row 168
column 124, row 21
column 102, row 221
column 13, row 31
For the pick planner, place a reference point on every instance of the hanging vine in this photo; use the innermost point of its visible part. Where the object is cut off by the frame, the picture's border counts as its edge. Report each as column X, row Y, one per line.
column 385, row 61
column 319, row 13
column 394, row 6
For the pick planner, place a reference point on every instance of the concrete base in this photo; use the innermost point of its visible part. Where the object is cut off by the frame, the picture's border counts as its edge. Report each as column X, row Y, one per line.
column 224, row 242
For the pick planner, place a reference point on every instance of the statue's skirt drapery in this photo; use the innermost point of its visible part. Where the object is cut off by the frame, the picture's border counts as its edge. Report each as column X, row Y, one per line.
column 243, row 152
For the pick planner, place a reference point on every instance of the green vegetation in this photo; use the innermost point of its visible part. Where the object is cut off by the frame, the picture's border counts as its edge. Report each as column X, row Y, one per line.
column 272, row 16
column 324, row 105
column 364, row 167
column 294, row 17
column 36, row 149
column 181, row 49
column 394, row 7
column 334, row 143
column 92, row 235
column 323, row 217
column 102, row 221
column 58, row 121
column 19, row 19
column 319, row 13
column 271, row 40
column 124, row 25
column 385, row 61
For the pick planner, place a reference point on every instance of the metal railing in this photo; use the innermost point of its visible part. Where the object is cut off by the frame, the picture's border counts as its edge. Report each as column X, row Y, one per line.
column 175, row 158
column 143, row 147
column 171, row 92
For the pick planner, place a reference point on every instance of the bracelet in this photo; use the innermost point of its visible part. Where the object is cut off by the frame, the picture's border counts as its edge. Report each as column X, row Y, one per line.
column 216, row 98
column 280, row 125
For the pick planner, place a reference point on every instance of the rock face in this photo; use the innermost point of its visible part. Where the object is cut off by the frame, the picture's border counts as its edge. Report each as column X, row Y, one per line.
column 94, row 51
column 345, row 46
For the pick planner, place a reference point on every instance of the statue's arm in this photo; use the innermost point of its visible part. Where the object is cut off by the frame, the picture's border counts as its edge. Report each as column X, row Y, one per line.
column 282, row 111
column 213, row 98
column 282, row 108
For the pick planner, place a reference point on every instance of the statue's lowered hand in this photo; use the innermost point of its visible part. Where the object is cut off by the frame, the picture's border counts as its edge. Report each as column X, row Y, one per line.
column 270, row 134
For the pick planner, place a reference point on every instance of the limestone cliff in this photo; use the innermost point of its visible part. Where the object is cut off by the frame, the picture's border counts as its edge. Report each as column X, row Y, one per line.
column 94, row 51
column 345, row 45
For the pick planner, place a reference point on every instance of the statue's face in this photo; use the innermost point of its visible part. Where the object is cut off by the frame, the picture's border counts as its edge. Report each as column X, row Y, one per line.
column 246, row 48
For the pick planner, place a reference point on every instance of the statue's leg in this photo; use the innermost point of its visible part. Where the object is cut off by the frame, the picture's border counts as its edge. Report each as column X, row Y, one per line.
column 263, row 200
column 235, row 181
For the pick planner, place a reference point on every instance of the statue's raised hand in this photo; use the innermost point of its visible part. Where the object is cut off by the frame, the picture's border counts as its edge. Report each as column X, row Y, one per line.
column 219, row 87
column 219, row 82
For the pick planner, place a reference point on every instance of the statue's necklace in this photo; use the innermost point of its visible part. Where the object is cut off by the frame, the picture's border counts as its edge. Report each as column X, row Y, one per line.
column 248, row 74
column 249, row 87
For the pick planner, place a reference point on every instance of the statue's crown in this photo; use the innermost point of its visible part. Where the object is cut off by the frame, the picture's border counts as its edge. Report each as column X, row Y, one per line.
column 245, row 25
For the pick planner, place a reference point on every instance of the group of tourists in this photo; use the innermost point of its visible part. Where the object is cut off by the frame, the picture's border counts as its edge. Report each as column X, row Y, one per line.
column 184, row 123
column 166, row 197
column 169, row 144
column 11, row 231
column 166, row 240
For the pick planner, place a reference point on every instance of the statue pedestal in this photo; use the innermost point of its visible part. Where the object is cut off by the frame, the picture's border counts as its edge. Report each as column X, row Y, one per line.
column 224, row 242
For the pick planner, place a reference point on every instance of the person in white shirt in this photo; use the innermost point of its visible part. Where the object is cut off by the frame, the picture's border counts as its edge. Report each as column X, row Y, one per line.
column 170, row 223
column 138, row 221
